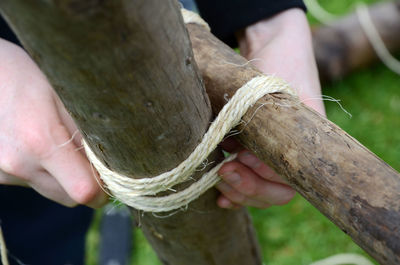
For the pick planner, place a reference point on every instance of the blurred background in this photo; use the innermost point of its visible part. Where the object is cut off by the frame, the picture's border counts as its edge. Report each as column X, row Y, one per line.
column 297, row 233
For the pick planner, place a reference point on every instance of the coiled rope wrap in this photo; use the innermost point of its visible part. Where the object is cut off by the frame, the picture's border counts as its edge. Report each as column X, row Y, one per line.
column 137, row 193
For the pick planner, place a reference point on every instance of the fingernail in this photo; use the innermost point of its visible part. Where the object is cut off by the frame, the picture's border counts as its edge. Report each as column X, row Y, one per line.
column 231, row 177
column 223, row 187
column 225, row 203
column 249, row 159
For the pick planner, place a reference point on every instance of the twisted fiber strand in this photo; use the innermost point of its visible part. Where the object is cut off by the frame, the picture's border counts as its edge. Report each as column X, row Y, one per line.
column 133, row 191
column 3, row 249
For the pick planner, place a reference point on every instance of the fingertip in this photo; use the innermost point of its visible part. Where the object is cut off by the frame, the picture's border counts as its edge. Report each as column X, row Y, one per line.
column 224, row 202
column 286, row 196
column 228, row 167
column 249, row 159
column 89, row 193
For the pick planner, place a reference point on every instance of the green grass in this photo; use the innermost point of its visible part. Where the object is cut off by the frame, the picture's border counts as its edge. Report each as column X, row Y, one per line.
column 297, row 233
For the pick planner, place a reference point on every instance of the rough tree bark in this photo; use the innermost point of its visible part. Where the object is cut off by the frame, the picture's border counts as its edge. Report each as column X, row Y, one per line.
column 359, row 192
column 125, row 72
column 342, row 46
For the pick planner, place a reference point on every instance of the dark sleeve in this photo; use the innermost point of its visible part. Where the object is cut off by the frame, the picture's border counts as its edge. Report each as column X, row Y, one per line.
column 6, row 33
column 227, row 17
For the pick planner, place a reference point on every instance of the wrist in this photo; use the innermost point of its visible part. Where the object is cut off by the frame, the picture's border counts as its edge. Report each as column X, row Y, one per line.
column 256, row 36
column 282, row 46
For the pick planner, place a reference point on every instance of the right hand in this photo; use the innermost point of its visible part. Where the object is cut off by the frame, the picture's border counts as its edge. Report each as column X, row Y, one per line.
column 247, row 180
column 35, row 133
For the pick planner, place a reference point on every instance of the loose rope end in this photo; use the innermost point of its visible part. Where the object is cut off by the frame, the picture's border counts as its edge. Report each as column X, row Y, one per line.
column 3, row 249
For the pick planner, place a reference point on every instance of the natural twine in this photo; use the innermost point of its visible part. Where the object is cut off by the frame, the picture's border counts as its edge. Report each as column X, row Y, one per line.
column 344, row 258
column 3, row 249
column 138, row 193
column 134, row 192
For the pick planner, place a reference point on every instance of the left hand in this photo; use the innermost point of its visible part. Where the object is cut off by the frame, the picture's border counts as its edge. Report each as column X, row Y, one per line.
column 282, row 44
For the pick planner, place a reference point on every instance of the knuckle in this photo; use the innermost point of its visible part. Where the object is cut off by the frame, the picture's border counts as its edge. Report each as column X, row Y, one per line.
column 84, row 192
column 10, row 164
column 228, row 167
column 35, row 143
column 249, row 188
column 236, row 197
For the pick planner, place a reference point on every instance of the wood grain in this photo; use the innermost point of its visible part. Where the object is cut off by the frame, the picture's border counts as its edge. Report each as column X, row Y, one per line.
column 359, row 192
column 126, row 73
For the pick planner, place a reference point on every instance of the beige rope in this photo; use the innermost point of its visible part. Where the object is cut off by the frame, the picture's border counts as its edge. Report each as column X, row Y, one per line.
column 3, row 249
column 376, row 41
column 344, row 258
column 317, row 11
column 134, row 192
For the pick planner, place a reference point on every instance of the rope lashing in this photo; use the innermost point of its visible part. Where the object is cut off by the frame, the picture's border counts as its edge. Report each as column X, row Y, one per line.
column 135, row 192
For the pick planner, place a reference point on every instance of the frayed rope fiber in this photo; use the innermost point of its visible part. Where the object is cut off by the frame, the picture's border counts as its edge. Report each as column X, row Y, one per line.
column 134, row 192
column 138, row 193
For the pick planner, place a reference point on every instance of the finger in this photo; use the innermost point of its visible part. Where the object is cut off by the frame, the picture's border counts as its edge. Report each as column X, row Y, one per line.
column 231, row 145
column 245, row 181
column 48, row 187
column 66, row 119
column 225, row 203
column 263, row 170
column 231, row 198
column 7, row 179
column 72, row 170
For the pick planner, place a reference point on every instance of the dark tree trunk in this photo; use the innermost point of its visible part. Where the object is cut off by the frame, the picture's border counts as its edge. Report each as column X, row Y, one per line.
column 125, row 72
column 359, row 192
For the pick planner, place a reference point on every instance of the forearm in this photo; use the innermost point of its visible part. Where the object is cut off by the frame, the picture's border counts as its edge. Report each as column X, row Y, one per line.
column 283, row 46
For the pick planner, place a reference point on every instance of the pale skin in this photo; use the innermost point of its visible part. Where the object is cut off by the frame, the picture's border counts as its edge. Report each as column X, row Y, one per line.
column 35, row 130
column 33, row 126
column 279, row 45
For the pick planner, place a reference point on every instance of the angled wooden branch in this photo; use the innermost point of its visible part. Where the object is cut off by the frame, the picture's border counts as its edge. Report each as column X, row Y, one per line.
column 355, row 189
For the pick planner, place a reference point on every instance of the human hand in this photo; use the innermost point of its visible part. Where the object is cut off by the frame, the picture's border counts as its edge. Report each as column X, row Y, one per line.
column 36, row 149
column 280, row 45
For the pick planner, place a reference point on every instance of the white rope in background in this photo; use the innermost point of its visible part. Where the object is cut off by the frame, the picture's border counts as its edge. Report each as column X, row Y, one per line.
column 376, row 41
column 135, row 192
column 3, row 249
column 372, row 34
column 344, row 258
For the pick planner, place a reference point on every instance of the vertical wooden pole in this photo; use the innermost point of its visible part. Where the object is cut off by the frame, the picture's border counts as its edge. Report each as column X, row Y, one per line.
column 125, row 72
